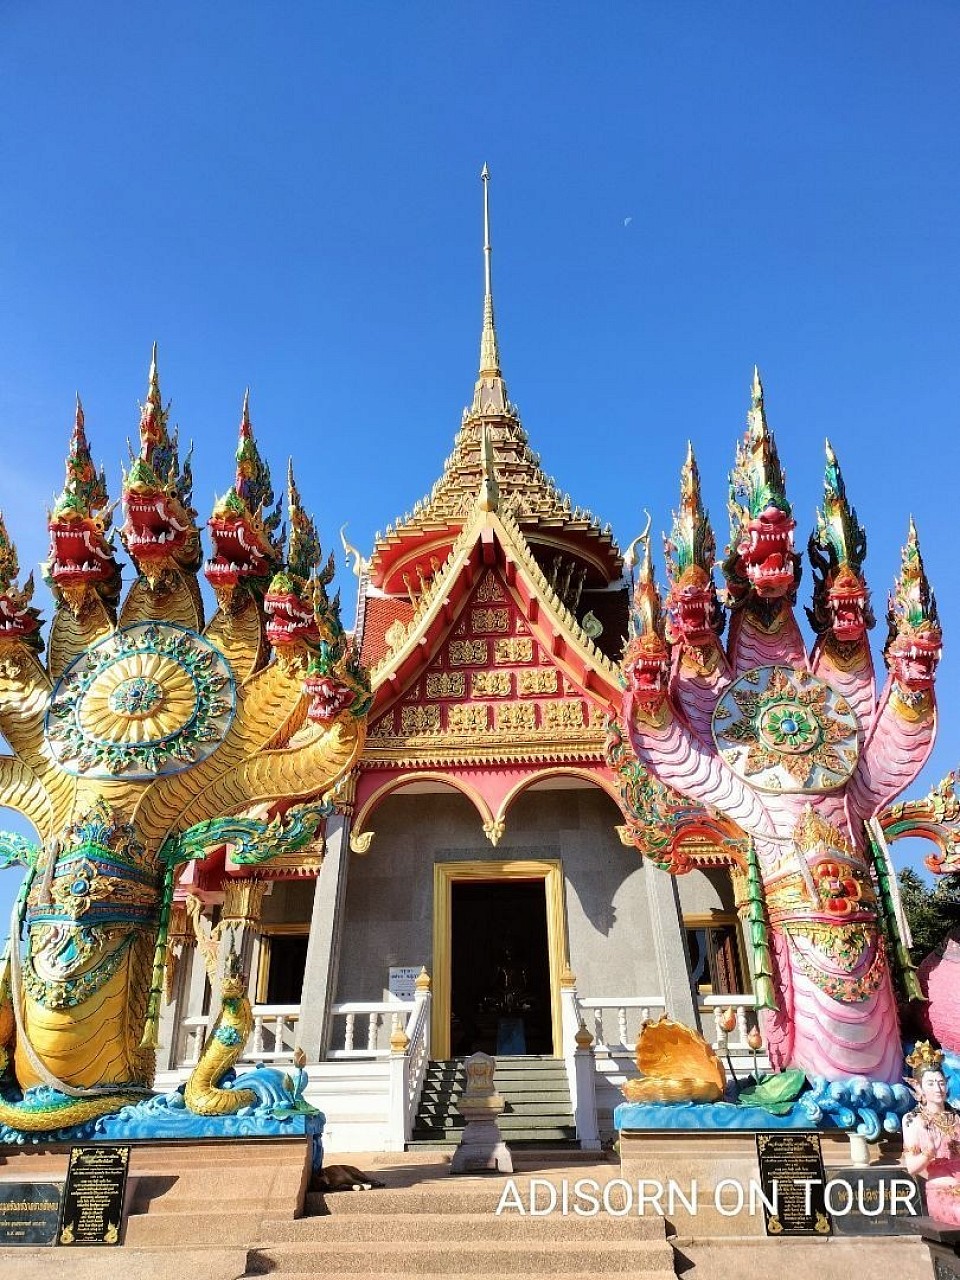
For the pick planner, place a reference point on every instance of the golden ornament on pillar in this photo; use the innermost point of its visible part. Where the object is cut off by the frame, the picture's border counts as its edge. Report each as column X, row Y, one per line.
column 243, row 901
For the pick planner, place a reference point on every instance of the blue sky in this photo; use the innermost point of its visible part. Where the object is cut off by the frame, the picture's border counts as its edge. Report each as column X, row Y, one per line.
column 288, row 196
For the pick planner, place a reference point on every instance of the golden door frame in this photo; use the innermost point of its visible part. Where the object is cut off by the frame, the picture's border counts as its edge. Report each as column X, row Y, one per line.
column 445, row 875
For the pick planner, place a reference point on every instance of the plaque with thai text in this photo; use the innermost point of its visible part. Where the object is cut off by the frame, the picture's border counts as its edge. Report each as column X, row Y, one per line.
column 92, row 1211
column 880, row 1200
column 29, row 1212
column 792, row 1183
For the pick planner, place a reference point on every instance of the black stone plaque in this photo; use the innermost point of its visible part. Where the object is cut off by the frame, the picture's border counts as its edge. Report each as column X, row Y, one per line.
column 881, row 1200
column 792, row 1180
column 92, row 1211
column 29, row 1212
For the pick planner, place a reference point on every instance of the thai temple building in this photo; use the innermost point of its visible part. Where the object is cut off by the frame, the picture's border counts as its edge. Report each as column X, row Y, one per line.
column 477, row 887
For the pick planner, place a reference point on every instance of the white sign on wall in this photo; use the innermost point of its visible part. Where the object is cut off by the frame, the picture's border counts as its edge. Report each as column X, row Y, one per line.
column 402, row 980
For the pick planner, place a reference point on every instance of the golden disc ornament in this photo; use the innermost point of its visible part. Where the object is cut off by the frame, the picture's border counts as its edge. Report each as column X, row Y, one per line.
column 783, row 729
column 150, row 699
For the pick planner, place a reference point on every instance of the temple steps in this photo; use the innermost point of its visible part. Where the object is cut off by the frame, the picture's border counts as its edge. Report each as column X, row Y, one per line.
column 535, row 1092
column 535, row 1255
column 468, row 1227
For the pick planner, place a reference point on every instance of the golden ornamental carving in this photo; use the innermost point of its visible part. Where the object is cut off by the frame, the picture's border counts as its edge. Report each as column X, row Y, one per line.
column 395, row 634
column 516, row 715
column 422, row 983
column 420, row 720
column 468, row 653
column 491, row 684
column 598, row 717
column 513, row 649
column 446, row 684
column 539, row 680
column 243, row 901
column 467, row 718
column 494, row 830
column 491, row 620
column 562, row 715
column 384, row 728
column 489, row 588
column 360, row 841
column 344, row 794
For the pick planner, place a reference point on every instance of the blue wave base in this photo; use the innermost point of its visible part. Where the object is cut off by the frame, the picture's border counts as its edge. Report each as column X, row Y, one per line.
column 704, row 1115
column 869, row 1108
column 280, row 1112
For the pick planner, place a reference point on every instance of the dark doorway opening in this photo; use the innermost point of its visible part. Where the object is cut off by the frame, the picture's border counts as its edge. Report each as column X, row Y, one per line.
column 500, row 970
column 287, row 961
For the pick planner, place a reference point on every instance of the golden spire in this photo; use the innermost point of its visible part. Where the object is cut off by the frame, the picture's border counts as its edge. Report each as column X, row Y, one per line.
column 489, row 499
column 489, row 352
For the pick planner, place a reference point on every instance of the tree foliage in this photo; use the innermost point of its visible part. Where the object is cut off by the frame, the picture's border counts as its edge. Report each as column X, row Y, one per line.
column 932, row 910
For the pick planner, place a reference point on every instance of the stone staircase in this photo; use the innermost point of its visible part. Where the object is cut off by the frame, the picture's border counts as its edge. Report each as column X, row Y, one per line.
column 449, row 1227
column 534, row 1088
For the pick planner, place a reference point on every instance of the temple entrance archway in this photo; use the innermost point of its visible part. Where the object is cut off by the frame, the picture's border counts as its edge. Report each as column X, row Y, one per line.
column 499, row 951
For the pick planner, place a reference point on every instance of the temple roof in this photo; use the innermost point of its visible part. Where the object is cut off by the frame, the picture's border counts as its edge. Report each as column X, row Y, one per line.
column 413, row 547
column 492, row 539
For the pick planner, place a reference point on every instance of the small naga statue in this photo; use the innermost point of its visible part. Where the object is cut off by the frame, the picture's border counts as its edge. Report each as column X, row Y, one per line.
column 148, row 740
column 796, row 752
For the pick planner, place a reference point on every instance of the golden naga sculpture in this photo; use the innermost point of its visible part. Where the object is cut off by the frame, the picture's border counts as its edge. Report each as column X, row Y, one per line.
column 141, row 745
column 677, row 1065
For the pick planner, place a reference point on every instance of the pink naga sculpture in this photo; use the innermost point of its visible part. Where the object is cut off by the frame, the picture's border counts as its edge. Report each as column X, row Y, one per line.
column 795, row 750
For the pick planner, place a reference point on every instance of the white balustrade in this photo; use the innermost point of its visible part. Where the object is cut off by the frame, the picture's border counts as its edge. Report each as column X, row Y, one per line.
column 408, row 1067
column 378, row 1014
column 712, row 1010
column 272, row 1038
column 628, row 1012
column 193, row 1036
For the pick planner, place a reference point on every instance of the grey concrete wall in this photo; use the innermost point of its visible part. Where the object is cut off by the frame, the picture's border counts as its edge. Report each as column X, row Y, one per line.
column 705, row 891
column 389, row 903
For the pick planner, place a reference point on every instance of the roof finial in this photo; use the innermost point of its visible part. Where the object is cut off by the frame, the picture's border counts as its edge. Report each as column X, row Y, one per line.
column 489, row 352
column 489, row 499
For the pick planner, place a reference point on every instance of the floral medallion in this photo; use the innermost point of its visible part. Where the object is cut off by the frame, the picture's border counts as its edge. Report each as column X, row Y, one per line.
column 150, row 699
column 781, row 729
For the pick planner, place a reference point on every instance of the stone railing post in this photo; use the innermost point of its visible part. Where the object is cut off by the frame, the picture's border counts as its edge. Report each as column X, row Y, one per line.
column 579, row 1058
column 399, row 1086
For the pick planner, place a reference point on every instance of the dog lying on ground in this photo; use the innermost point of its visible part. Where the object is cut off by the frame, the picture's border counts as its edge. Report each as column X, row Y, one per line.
column 343, row 1177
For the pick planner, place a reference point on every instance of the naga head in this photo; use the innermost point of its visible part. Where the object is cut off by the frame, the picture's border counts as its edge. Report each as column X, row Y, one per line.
column 838, row 547
column 694, row 614
column 336, row 682
column 19, row 621
column 159, row 528
column 82, row 561
column 247, row 549
column 915, row 641
column 760, row 555
column 299, row 613
column 646, row 658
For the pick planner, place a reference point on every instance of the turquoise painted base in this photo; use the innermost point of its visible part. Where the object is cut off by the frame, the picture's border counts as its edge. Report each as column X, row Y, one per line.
column 699, row 1116
column 281, row 1112
column 858, row 1105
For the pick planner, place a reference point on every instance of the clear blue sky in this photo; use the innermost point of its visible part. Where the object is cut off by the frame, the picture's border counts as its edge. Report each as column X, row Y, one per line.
column 288, row 196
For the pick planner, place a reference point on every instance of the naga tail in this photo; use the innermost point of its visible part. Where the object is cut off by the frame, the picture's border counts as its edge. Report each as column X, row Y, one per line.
column 45, row 1110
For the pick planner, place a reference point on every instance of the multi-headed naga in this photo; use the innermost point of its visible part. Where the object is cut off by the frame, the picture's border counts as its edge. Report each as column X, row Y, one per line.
column 792, row 758
column 147, row 740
